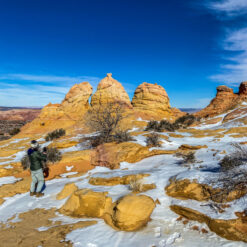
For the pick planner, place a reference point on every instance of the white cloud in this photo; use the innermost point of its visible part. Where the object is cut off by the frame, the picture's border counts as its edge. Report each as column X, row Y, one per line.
column 233, row 69
column 229, row 7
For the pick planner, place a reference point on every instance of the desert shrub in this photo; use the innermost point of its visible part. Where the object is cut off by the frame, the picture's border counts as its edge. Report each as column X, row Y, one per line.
column 135, row 185
column 14, row 131
column 152, row 125
column 233, row 173
column 184, row 121
column 236, row 159
column 53, row 155
column 123, row 136
column 166, row 125
column 25, row 162
column 188, row 158
column 105, row 121
column 153, row 140
column 55, row 134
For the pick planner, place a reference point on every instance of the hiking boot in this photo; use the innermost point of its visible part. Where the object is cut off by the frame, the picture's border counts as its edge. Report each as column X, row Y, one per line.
column 39, row 194
column 32, row 193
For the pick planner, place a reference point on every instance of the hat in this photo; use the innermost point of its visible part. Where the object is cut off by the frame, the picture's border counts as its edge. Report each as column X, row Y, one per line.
column 34, row 144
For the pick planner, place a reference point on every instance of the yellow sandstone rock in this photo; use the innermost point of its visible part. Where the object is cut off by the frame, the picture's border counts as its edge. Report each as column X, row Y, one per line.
column 235, row 229
column 110, row 90
column 152, row 101
column 132, row 212
column 87, row 203
column 129, row 213
column 68, row 190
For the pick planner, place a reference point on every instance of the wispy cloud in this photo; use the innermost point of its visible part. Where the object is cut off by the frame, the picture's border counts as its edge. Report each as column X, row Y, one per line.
column 228, row 7
column 40, row 90
column 49, row 78
column 233, row 69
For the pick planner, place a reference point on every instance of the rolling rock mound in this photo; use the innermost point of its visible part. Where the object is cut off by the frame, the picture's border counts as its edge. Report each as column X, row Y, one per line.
column 224, row 101
column 110, row 90
column 151, row 100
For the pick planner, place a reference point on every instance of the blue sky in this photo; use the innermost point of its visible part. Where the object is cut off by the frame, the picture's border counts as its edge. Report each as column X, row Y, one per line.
column 189, row 47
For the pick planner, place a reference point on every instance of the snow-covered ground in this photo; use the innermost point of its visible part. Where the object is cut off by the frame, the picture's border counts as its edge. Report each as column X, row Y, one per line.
column 164, row 230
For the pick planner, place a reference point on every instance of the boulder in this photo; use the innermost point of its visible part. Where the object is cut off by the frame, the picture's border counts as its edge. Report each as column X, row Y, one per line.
column 87, row 203
column 151, row 100
column 128, row 213
column 132, row 212
column 108, row 91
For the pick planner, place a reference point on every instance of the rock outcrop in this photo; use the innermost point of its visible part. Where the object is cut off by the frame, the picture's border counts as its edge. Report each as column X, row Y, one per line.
column 108, row 91
column 224, row 101
column 151, row 100
column 72, row 109
column 234, row 229
column 110, row 155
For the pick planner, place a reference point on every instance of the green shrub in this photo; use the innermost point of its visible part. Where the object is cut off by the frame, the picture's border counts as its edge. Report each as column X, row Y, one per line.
column 55, row 134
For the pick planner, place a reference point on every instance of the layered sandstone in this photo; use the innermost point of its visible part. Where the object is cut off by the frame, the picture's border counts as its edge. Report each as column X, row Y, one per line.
column 151, row 100
column 224, row 101
column 109, row 91
column 233, row 229
column 72, row 109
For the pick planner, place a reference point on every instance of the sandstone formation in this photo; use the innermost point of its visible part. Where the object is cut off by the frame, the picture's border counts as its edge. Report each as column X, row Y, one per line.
column 224, row 101
column 129, row 213
column 67, row 191
column 235, row 229
column 186, row 189
column 25, row 232
column 110, row 90
column 87, row 203
column 238, row 113
column 72, row 109
column 151, row 100
column 110, row 155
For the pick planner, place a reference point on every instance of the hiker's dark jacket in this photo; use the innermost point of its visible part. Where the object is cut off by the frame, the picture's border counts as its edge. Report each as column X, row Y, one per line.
column 36, row 158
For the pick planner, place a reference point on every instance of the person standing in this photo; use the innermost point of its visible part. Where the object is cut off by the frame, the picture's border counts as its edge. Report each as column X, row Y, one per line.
column 36, row 167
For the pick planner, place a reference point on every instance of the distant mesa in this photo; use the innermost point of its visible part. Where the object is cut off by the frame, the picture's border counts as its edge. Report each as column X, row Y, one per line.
column 224, row 101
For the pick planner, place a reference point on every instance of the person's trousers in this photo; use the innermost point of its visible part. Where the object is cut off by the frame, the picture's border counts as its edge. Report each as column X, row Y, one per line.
column 37, row 178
